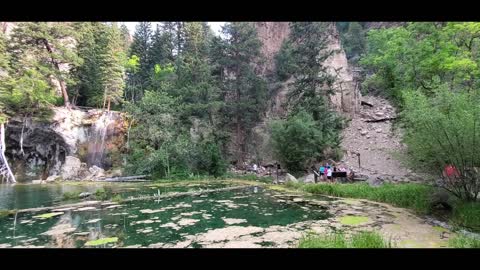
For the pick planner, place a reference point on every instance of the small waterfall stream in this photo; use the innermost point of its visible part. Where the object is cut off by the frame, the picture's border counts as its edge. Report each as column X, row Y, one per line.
column 97, row 138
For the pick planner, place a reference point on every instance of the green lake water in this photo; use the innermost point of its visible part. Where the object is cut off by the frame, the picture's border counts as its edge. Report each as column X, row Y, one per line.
column 143, row 222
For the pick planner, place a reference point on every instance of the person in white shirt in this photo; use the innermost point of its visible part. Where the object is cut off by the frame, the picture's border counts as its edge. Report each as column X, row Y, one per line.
column 329, row 173
column 255, row 168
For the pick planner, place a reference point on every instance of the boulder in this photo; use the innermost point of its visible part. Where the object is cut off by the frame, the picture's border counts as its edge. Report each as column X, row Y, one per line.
column 290, row 178
column 375, row 181
column 84, row 194
column 363, row 132
column 71, row 168
column 95, row 173
column 53, row 178
column 307, row 179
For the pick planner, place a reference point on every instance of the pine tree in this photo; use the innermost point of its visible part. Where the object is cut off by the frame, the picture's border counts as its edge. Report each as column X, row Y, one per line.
column 140, row 81
column 112, row 66
column 47, row 47
column 304, row 55
column 244, row 91
column 161, row 51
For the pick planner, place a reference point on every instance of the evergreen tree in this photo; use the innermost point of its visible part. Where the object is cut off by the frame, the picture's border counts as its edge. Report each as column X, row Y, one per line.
column 48, row 48
column 244, row 91
column 140, row 81
column 112, row 66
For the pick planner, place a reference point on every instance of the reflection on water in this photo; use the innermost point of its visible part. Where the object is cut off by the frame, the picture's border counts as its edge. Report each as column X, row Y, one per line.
column 154, row 221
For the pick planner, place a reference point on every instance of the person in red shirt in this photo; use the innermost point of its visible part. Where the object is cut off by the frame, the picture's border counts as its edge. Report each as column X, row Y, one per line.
column 451, row 172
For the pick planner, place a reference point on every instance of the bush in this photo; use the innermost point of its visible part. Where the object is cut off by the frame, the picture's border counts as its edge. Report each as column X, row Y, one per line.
column 74, row 195
column 300, row 140
column 339, row 240
column 467, row 215
column 445, row 130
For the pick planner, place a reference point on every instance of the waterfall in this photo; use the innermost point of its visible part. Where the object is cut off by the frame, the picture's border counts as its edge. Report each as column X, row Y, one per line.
column 98, row 135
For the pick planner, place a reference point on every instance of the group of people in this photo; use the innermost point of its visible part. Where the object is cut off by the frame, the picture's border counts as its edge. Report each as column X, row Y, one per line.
column 326, row 171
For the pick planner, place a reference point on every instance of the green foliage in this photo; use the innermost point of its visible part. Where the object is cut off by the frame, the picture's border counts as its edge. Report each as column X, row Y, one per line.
column 300, row 140
column 422, row 56
column 353, row 40
column 467, row 215
column 303, row 58
column 464, row 242
column 243, row 89
column 412, row 196
column 443, row 129
column 74, row 195
column 339, row 240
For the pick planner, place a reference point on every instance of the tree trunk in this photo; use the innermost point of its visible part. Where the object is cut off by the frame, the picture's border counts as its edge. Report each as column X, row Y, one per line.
column 63, row 87
column 5, row 170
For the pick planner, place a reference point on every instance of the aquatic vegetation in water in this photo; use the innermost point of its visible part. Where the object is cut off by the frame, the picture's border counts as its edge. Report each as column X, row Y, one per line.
column 353, row 220
column 6, row 213
column 48, row 215
column 102, row 241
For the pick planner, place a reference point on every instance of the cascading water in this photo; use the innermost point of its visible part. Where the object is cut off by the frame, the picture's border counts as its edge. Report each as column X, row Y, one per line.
column 97, row 138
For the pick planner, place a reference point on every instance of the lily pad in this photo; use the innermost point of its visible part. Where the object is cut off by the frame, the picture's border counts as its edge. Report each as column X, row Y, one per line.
column 48, row 215
column 102, row 241
column 353, row 220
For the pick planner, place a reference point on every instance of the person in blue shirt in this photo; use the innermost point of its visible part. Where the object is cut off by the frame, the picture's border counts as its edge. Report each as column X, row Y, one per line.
column 322, row 172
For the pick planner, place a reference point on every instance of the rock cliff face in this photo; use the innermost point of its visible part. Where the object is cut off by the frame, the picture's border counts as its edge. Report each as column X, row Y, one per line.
column 72, row 145
column 346, row 98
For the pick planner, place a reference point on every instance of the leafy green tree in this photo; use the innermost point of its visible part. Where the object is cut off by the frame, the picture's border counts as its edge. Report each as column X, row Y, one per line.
column 443, row 129
column 297, row 141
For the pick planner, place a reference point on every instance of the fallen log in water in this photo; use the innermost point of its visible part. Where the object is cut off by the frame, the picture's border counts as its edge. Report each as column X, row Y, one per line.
column 135, row 178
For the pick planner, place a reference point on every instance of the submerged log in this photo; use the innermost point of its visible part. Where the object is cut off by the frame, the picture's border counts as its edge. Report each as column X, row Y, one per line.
column 134, row 178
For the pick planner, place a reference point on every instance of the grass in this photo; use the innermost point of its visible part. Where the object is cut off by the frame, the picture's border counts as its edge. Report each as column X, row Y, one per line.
column 464, row 242
column 412, row 196
column 339, row 240
column 467, row 215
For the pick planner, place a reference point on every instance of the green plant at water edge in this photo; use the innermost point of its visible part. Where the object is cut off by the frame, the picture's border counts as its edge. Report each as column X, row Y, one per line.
column 334, row 240
column 102, row 241
column 464, row 242
column 6, row 213
column 71, row 195
column 117, row 198
column 467, row 215
column 102, row 194
column 412, row 196
column 339, row 240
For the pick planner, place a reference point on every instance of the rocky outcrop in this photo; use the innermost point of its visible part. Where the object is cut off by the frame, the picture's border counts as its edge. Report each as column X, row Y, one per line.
column 67, row 145
column 290, row 178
